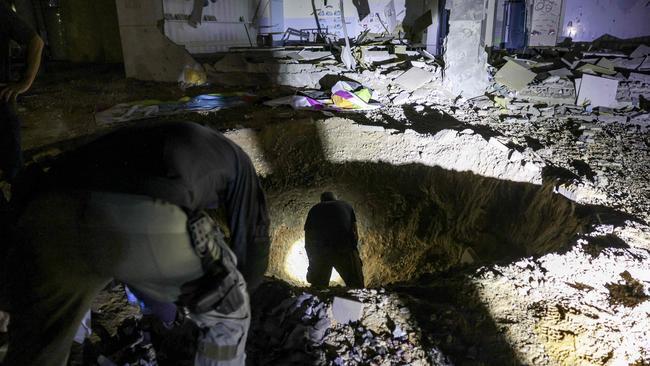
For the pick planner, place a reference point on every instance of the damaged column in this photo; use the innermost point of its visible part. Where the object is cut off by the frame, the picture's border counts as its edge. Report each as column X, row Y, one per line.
column 465, row 59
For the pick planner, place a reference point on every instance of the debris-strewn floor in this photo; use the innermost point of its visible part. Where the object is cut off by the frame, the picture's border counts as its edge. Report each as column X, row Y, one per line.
column 575, row 292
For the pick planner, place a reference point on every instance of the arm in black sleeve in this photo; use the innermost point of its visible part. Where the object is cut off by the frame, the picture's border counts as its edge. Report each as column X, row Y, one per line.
column 248, row 221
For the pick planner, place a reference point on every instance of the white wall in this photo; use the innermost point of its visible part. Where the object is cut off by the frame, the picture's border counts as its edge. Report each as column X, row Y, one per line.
column 228, row 30
column 591, row 19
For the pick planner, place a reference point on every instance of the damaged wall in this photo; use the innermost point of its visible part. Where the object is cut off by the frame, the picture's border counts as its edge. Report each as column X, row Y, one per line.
column 226, row 23
column 586, row 20
column 148, row 53
column 396, row 15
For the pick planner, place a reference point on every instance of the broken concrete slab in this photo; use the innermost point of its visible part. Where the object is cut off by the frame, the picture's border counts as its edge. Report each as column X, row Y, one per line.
column 377, row 56
column 140, row 43
column 595, row 69
column 414, row 78
column 401, row 98
column 597, row 91
column 628, row 64
column 307, row 55
column 645, row 65
column 640, row 51
column 514, row 75
column 563, row 72
column 644, row 78
column 606, row 63
column 346, row 311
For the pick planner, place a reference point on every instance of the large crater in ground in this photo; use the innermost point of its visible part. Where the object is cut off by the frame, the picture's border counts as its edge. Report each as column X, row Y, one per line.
column 424, row 202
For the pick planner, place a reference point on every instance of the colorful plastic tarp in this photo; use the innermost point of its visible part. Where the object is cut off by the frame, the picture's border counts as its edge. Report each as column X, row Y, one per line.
column 346, row 96
column 144, row 109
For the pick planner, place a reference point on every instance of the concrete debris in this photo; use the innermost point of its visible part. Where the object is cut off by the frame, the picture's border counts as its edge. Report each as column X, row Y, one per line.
column 596, row 69
column 377, row 56
column 306, row 55
column 294, row 328
column 414, row 78
column 514, row 75
column 346, row 311
column 563, row 72
column 640, row 51
column 597, row 91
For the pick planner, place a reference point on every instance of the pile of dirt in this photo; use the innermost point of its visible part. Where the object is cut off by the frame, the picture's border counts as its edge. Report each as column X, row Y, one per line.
column 630, row 293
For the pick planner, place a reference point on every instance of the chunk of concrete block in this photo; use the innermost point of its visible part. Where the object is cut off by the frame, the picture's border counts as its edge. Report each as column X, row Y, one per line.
column 606, row 63
column 629, row 64
column 597, row 91
column 414, row 78
column 514, row 76
column 346, row 311
column 306, row 55
column 595, row 69
column 401, row 98
column 640, row 51
column 639, row 77
column 377, row 56
column 563, row 72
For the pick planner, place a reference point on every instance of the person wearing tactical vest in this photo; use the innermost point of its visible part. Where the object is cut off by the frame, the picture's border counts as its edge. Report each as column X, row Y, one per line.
column 331, row 240
column 130, row 206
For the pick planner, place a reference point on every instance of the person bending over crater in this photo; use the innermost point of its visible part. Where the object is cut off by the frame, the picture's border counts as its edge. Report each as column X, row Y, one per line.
column 130, row 206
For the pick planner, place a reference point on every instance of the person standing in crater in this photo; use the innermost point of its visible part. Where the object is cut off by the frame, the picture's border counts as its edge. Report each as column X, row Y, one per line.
column 331, row 240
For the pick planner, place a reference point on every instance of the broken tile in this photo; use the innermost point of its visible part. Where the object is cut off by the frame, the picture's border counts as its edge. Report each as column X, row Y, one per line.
column 639, row 77
column 603, row 62
column 377, row 56
column 593, row 69
column 514, row 75
column 401, row 98
column 563, row 72
column 628, row 64
column 414, row 78
column 640, row 51
column 597, row 91
column 346, row 311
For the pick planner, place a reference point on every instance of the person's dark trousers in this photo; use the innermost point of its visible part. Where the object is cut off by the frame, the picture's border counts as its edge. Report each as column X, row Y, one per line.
column 324, row 257
column 11, row 158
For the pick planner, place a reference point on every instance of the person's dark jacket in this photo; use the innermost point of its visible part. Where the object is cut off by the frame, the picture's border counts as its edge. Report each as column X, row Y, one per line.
column 185, row 164
column 11, row 28
column 331, row 223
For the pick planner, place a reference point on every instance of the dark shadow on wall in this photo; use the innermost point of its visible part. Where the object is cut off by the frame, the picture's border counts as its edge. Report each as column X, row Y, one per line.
column 417, row 221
